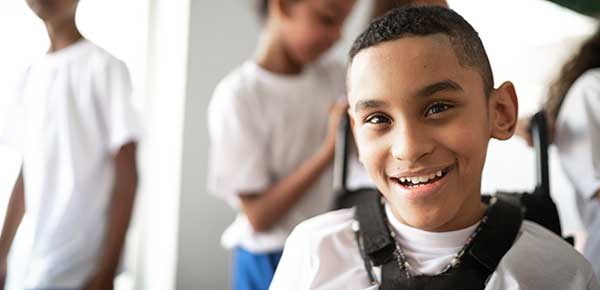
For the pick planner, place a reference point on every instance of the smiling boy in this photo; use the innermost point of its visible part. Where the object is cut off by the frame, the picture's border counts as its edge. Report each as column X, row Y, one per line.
column 423, row 108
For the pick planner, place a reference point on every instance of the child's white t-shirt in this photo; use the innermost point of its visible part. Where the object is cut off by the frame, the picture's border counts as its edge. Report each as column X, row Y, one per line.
column 263, row 126
column 578, row 141
column 322, row 253
column 76, row 112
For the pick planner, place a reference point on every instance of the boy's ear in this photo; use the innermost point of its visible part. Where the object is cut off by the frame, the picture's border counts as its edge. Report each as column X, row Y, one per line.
column 504, row 111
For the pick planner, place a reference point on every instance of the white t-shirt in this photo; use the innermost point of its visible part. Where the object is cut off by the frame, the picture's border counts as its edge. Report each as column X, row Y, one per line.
column 322, row 253
column 263, row 126
column 578, row 141
column 76, row 112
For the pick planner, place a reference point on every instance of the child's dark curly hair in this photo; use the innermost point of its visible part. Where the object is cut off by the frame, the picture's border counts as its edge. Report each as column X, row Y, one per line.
column 588, row 57
column 428, row 20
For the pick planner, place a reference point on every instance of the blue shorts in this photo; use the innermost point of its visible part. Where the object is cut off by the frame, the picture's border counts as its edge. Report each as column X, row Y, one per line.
column 50, row 289
column 253, row 271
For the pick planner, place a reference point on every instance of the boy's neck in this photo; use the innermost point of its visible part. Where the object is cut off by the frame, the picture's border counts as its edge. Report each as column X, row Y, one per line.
column 468, row 216
column 62, row 34
column 273, row 56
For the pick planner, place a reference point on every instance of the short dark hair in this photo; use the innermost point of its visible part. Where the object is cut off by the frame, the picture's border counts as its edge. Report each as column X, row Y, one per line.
column 427, row 20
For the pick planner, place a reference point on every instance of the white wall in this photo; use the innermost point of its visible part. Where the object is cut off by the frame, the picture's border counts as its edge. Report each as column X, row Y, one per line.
column 222, row 35
column 161, row 152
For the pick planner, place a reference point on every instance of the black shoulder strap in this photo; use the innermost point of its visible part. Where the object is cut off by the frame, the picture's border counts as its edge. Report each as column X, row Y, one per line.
column 504, row 221
column 378, row 244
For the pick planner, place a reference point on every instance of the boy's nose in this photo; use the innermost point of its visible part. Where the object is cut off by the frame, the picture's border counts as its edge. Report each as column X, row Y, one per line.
column 411, row 144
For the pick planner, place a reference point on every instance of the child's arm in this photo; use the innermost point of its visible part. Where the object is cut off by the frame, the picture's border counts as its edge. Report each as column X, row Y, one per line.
column 123, row 197
column 264, row 209
column 14, row 215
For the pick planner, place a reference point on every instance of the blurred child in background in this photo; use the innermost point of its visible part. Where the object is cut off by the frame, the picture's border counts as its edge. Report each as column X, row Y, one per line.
column 78, row 178
column 272, row 124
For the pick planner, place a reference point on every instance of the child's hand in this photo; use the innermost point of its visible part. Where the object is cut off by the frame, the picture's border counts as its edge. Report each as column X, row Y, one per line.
column 336, row 114
column 100, row 282
column 523, row 130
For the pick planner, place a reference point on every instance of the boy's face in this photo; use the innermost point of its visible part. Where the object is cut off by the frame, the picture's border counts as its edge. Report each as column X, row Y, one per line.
column 312, row 27
column 53, row 10
column 420, row 117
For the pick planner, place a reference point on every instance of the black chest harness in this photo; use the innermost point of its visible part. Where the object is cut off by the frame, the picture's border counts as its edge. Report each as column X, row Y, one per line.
column 378, row 248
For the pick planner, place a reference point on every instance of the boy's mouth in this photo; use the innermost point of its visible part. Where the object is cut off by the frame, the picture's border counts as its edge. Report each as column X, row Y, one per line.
column 411, row 182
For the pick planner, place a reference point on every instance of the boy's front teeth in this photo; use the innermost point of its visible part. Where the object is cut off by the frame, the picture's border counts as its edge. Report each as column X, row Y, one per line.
column 421, row 179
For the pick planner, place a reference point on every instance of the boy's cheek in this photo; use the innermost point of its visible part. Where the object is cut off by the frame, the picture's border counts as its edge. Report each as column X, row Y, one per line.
column 470, row 158
column 373, row 156
column 366, row 155
column 464, row 138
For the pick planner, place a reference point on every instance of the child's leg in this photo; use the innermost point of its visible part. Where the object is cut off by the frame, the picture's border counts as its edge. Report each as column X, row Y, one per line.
column 253, row 271
column 52, row 289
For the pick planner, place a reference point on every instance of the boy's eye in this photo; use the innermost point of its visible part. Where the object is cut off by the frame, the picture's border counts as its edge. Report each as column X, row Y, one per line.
column 377, row 119
column 437, row 108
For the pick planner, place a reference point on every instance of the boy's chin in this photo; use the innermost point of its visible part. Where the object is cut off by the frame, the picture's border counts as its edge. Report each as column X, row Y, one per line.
column 310, row 58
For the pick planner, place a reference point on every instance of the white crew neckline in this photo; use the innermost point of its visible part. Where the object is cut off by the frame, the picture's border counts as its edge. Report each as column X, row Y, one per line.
column 67, row 52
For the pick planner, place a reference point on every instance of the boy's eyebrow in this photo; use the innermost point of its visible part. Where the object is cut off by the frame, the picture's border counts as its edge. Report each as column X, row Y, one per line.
column 426, row 91
column 369, row 104
column 438, row 87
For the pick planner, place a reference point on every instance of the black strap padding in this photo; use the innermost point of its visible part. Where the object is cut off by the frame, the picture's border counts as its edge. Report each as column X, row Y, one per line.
column 504, row 221
column 378, row 243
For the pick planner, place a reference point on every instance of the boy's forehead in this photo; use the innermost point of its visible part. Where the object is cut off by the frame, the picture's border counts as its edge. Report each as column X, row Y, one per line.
column 403, row 66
